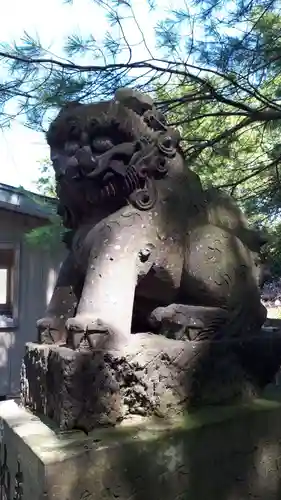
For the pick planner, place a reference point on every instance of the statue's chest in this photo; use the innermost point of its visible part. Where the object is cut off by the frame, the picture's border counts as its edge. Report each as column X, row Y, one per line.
column 159, row 276
column 163, row 280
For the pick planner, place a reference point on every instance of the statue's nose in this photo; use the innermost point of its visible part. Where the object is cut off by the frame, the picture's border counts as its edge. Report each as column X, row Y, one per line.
column 62, row 162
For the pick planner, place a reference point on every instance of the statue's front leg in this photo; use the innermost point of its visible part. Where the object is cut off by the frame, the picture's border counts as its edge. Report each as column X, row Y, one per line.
column 106, row 303
column 104, row 313
column 51, row 328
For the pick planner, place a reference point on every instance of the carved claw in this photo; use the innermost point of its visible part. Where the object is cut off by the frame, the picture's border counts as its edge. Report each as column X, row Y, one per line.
column 51, row 330
column 86, row 329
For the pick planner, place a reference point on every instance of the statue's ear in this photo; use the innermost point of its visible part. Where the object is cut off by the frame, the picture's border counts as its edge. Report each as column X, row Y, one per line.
column 134, row 100
column 70, row 105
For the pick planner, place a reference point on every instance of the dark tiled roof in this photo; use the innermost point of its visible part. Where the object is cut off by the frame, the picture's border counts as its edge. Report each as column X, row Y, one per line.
column 26, row 202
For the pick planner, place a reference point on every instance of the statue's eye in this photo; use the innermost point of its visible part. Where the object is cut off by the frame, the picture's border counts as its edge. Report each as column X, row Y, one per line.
column 73, row 131
column 102, row 144
column 70, row 148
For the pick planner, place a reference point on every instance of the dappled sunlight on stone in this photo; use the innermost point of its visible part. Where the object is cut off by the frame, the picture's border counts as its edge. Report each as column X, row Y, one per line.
column 7, row 341
column 51, row 281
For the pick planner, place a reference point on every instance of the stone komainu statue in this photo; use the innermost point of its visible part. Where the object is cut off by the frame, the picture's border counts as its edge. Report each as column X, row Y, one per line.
column 149, row 249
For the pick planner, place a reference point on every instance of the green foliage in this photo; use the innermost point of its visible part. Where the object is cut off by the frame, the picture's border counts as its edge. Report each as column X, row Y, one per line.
column 273, row 249
column 47, row 237
column 50, row 235
column 46, row 184
column 214, row 68
column 238, row 158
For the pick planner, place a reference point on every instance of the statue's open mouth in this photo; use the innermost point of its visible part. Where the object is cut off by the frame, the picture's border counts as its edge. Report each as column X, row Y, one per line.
column 112, row 160
column 118, row 174
column 82, row 161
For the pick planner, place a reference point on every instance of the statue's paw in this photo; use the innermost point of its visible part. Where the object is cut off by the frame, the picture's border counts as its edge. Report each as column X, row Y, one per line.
column 52, row 323
column 83, row 323
column 87, row 331
column 51, row 330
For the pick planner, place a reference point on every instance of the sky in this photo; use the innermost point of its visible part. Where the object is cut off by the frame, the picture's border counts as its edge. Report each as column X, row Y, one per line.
column 21, row 149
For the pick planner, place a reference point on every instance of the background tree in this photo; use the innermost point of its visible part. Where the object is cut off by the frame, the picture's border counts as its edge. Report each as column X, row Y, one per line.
column 49, row 235
column 214, row 68
column 46, row 184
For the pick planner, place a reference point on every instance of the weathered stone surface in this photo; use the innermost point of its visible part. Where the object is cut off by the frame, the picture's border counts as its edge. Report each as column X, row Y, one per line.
column 150, row 376
column 228, row 453
column 143, row 232
column 33, row 378
column 83, row 390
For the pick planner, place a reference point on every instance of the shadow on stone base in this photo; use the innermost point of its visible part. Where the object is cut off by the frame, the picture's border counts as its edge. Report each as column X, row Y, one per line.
column 151, row 376
column 220, row 454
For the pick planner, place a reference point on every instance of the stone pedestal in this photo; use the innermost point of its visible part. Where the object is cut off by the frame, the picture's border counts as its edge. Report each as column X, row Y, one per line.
column 151, row 376
column 225, row 453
